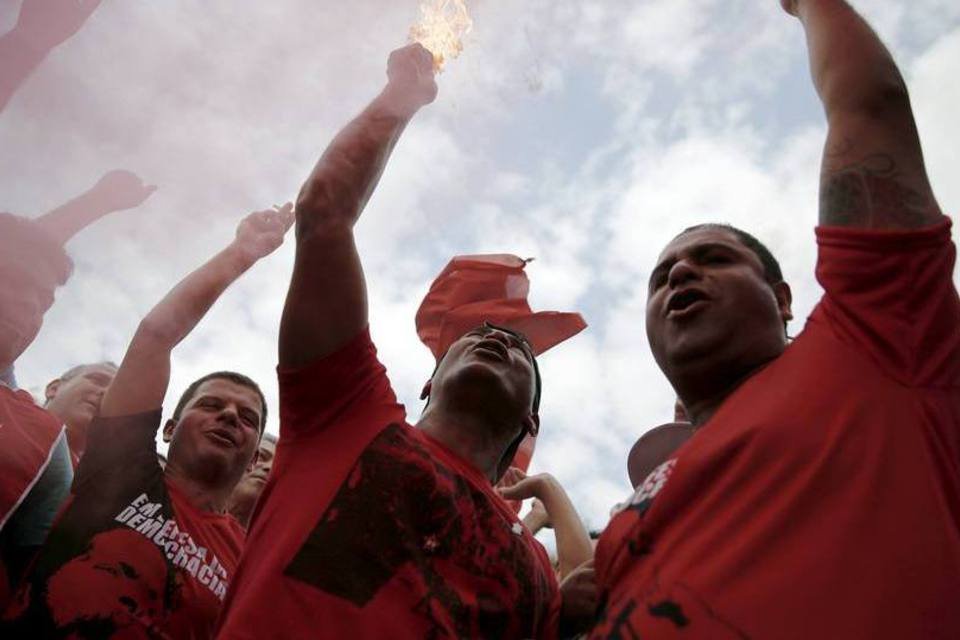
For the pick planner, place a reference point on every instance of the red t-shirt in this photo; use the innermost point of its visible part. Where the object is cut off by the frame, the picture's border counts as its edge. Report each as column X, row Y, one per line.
column 822, row 500
column 368, row 528
column 129, row 556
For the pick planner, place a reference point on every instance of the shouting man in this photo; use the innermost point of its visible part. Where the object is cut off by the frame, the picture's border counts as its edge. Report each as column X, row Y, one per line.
column 818, row 497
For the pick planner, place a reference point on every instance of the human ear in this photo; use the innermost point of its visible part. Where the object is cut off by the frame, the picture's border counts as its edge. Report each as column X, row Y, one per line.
column 784, row 300
column 531, row 424
column 51, row 389
column 168, row 429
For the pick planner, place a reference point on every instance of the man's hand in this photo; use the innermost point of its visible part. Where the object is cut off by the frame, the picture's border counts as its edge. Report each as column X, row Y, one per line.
column 119, row 190
column 45, row 24
column 516, row 485
column 579, row 594
column 411, row 78
column 261, row 232
column 790, row 6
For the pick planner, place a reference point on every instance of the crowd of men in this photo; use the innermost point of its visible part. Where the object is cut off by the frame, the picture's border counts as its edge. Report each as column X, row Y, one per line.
column 809, row 489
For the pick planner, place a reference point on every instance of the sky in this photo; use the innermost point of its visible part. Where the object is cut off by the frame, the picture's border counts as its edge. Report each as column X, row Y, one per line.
column 585, row 134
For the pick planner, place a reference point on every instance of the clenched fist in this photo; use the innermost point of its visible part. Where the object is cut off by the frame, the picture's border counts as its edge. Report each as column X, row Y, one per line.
column 120, row 189
column 411, row 82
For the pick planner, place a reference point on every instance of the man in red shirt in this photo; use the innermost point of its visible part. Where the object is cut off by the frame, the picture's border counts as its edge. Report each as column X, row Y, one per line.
column 820, row 495
column 370, row 527
column 140, row 551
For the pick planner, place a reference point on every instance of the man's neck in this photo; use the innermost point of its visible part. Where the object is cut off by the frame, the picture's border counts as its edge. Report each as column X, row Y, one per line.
column 468, row 436
column 205, row 496
column 702, row 395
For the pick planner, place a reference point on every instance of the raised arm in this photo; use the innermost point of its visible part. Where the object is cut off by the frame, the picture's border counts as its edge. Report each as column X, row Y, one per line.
column 326, row 304
column 141, row 382
column 115, row 191
column 41, row 26
column 873, row 174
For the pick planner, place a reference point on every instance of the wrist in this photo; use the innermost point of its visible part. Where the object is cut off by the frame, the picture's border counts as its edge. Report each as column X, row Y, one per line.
column 239, row 259
column 398, row 102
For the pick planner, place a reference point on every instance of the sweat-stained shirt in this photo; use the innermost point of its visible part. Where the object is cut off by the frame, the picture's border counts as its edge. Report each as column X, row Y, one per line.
column 130, row 556
column 822, row 499
column 368, row 528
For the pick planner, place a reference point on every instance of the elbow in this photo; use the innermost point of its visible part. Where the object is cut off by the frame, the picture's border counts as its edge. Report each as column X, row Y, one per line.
column 880, row 98
column 155, row 333
column 322, row 212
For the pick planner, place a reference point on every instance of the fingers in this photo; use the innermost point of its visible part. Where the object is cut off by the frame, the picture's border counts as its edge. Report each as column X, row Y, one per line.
column 523, row 489
column 512, row 476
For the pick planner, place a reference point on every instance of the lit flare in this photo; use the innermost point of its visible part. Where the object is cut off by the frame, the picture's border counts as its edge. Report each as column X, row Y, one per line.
column 442, row 27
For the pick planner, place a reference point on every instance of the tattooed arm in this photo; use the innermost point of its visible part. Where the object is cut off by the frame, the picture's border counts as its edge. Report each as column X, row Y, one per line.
column 326, row 304
column 873, row 174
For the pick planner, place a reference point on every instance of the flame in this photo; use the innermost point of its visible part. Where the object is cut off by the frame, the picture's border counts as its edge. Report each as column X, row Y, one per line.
column 442, row 26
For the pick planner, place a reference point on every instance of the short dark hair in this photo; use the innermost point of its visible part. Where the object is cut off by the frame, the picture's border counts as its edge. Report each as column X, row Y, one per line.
column 771, row 268
column 231, row 376
column 73, row 372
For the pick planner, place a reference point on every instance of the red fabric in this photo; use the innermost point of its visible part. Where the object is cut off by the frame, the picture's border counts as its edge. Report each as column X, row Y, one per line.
column 27, row 435
column 492, row 288
column 367, row 528
column 474, row 289
column 822, row 500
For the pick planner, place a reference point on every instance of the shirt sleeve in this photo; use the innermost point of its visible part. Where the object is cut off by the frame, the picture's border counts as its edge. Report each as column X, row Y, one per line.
column 891, row 294
column 119, row 448
column 335, row 389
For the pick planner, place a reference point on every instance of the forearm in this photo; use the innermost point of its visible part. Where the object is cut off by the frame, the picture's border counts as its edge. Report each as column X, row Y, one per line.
column 70, row 218
column 17, row 61
column 142, row 379
column 852, row 70
column 346, row 175
column 573, row 540
column 175, row 316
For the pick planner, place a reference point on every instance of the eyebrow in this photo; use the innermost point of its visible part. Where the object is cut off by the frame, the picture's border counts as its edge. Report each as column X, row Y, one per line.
column 697, row 250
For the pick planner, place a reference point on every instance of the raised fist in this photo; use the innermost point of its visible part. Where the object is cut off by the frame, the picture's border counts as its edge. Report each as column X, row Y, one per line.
column 261, row 232
column 119, row 190
column 410, row 74
column 790, row 6
column 44, row 24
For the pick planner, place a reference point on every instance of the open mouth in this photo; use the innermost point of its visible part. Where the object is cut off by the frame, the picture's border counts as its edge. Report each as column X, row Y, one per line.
column 493, row 347
column 685, row 302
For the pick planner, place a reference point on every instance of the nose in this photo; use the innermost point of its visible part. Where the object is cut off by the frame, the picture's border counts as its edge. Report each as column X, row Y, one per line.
column 682, row 272
column 229, row 414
